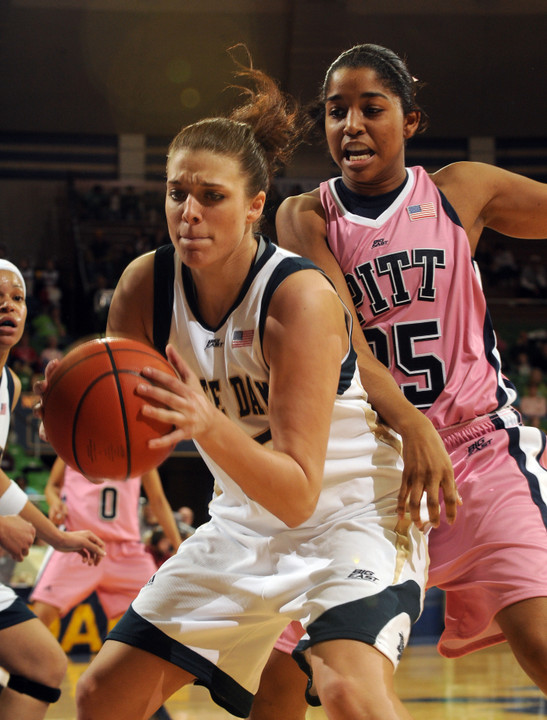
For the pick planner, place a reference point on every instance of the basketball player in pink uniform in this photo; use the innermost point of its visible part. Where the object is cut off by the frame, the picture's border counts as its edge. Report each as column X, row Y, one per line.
column 403, row 242
column 111, row 509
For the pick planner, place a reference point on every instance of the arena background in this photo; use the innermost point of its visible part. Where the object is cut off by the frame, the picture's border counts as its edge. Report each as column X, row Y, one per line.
column 92, row 91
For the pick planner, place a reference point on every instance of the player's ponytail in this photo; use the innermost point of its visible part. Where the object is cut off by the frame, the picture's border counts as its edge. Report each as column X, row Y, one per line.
column 261, row 133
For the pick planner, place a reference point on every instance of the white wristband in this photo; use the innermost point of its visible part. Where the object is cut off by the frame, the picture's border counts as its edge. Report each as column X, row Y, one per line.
column 13, row 500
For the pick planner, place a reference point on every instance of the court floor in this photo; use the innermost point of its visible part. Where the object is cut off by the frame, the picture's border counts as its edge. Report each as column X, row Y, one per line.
column 487, row 685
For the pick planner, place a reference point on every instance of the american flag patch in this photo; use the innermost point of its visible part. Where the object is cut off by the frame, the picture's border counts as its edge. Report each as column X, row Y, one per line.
column 423, row 210
column 3, row 408
column 242, row 338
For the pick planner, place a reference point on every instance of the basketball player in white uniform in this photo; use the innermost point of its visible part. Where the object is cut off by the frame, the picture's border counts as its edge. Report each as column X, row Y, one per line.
column 28, row 652
column 305, row 524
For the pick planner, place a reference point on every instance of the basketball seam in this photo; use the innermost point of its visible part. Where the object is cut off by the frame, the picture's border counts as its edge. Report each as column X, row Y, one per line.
column 122, row 407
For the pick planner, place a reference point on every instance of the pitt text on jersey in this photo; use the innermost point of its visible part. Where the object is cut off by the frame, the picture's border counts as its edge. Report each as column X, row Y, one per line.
column 394, row 265
column 365, row 287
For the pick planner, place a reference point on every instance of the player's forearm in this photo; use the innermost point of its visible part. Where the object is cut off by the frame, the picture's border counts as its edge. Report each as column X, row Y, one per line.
column 271, row 478
column 45, row 529
column 383, row 392
column 52, row 495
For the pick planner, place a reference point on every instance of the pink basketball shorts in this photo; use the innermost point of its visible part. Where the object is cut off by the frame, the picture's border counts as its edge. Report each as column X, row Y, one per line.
column 495, row 554
column 65, row 581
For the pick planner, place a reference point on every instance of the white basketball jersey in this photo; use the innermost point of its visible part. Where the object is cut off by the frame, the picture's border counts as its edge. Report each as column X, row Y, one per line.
column 230, row 363
column 6, row 399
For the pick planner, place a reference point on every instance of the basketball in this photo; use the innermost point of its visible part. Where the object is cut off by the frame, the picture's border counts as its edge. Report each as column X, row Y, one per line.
column 92, row 414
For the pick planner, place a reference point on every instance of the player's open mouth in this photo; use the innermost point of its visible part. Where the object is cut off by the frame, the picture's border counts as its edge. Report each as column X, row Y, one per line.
column 7, row 323
column 356, row 155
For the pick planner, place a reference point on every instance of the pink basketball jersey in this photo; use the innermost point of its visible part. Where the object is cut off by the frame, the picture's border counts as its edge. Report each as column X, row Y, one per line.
column 419, row 298
column 110, row 509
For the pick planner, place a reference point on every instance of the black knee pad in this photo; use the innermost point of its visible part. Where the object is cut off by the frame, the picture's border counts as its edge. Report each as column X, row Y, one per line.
column 37, row 690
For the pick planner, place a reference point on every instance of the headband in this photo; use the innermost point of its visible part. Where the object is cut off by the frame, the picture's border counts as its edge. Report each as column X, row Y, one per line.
column 7, row 265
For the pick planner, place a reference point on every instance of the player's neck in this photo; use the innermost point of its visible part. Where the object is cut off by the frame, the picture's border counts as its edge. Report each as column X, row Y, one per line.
column 217, row 289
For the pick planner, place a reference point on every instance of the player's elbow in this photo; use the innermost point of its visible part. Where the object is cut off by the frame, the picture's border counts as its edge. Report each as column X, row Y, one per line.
column 297, row 513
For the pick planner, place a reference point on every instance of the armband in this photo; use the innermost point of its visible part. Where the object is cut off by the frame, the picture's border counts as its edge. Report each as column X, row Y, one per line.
column 13, row 500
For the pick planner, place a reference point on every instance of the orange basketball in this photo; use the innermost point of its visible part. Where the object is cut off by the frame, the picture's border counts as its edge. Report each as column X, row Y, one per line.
column 92, row 414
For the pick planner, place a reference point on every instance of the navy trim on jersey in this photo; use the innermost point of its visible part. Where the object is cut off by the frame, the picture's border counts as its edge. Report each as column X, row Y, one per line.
column 500, row 422
column 361, row 620
column 519, row 456
column 489, row 339
column 134, row 630
column 286, row 267
column 365, row 618
column 164, row 278
column 264, row 437
column 11, row 387
column 264, row 252
column 449, row 210
column 367, row 206
column 347, row 371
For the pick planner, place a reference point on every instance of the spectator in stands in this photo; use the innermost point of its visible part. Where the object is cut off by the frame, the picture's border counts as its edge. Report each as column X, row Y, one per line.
column 130, row 205
column 101, row 302
column 28, row 273
column 503, row 270
column 49, row 281
column 95, row 202
column 537, row 377
column 115, row 205
column 24, row 353
column 533, row 406
column 48, row 323
column 184, row 517
column 51, row 351
column 520, row 374
column 540, row 357
column 23, row 483
column 533, row 279
column 159, row 547
column 522, row 344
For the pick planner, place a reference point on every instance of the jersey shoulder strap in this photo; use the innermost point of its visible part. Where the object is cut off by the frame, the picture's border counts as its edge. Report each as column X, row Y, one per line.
column 164, row 278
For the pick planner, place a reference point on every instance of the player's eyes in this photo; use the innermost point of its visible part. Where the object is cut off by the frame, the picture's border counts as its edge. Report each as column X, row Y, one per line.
column 214, row 196
column 177, row 195
column 336, row 112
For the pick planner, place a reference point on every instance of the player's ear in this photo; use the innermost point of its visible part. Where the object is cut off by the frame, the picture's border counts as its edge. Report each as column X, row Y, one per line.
column 411, row 123
column 256, row 207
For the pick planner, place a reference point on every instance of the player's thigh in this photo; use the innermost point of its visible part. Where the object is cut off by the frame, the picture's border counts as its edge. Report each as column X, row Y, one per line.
column 524, row 624
column 344, row 663
column 29, row 649
column 151, row 679
column 281, row 693
column 45, row 612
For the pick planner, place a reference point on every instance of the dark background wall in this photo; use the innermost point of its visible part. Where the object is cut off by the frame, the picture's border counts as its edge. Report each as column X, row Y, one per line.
column 148, row 66
column 75, row 75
